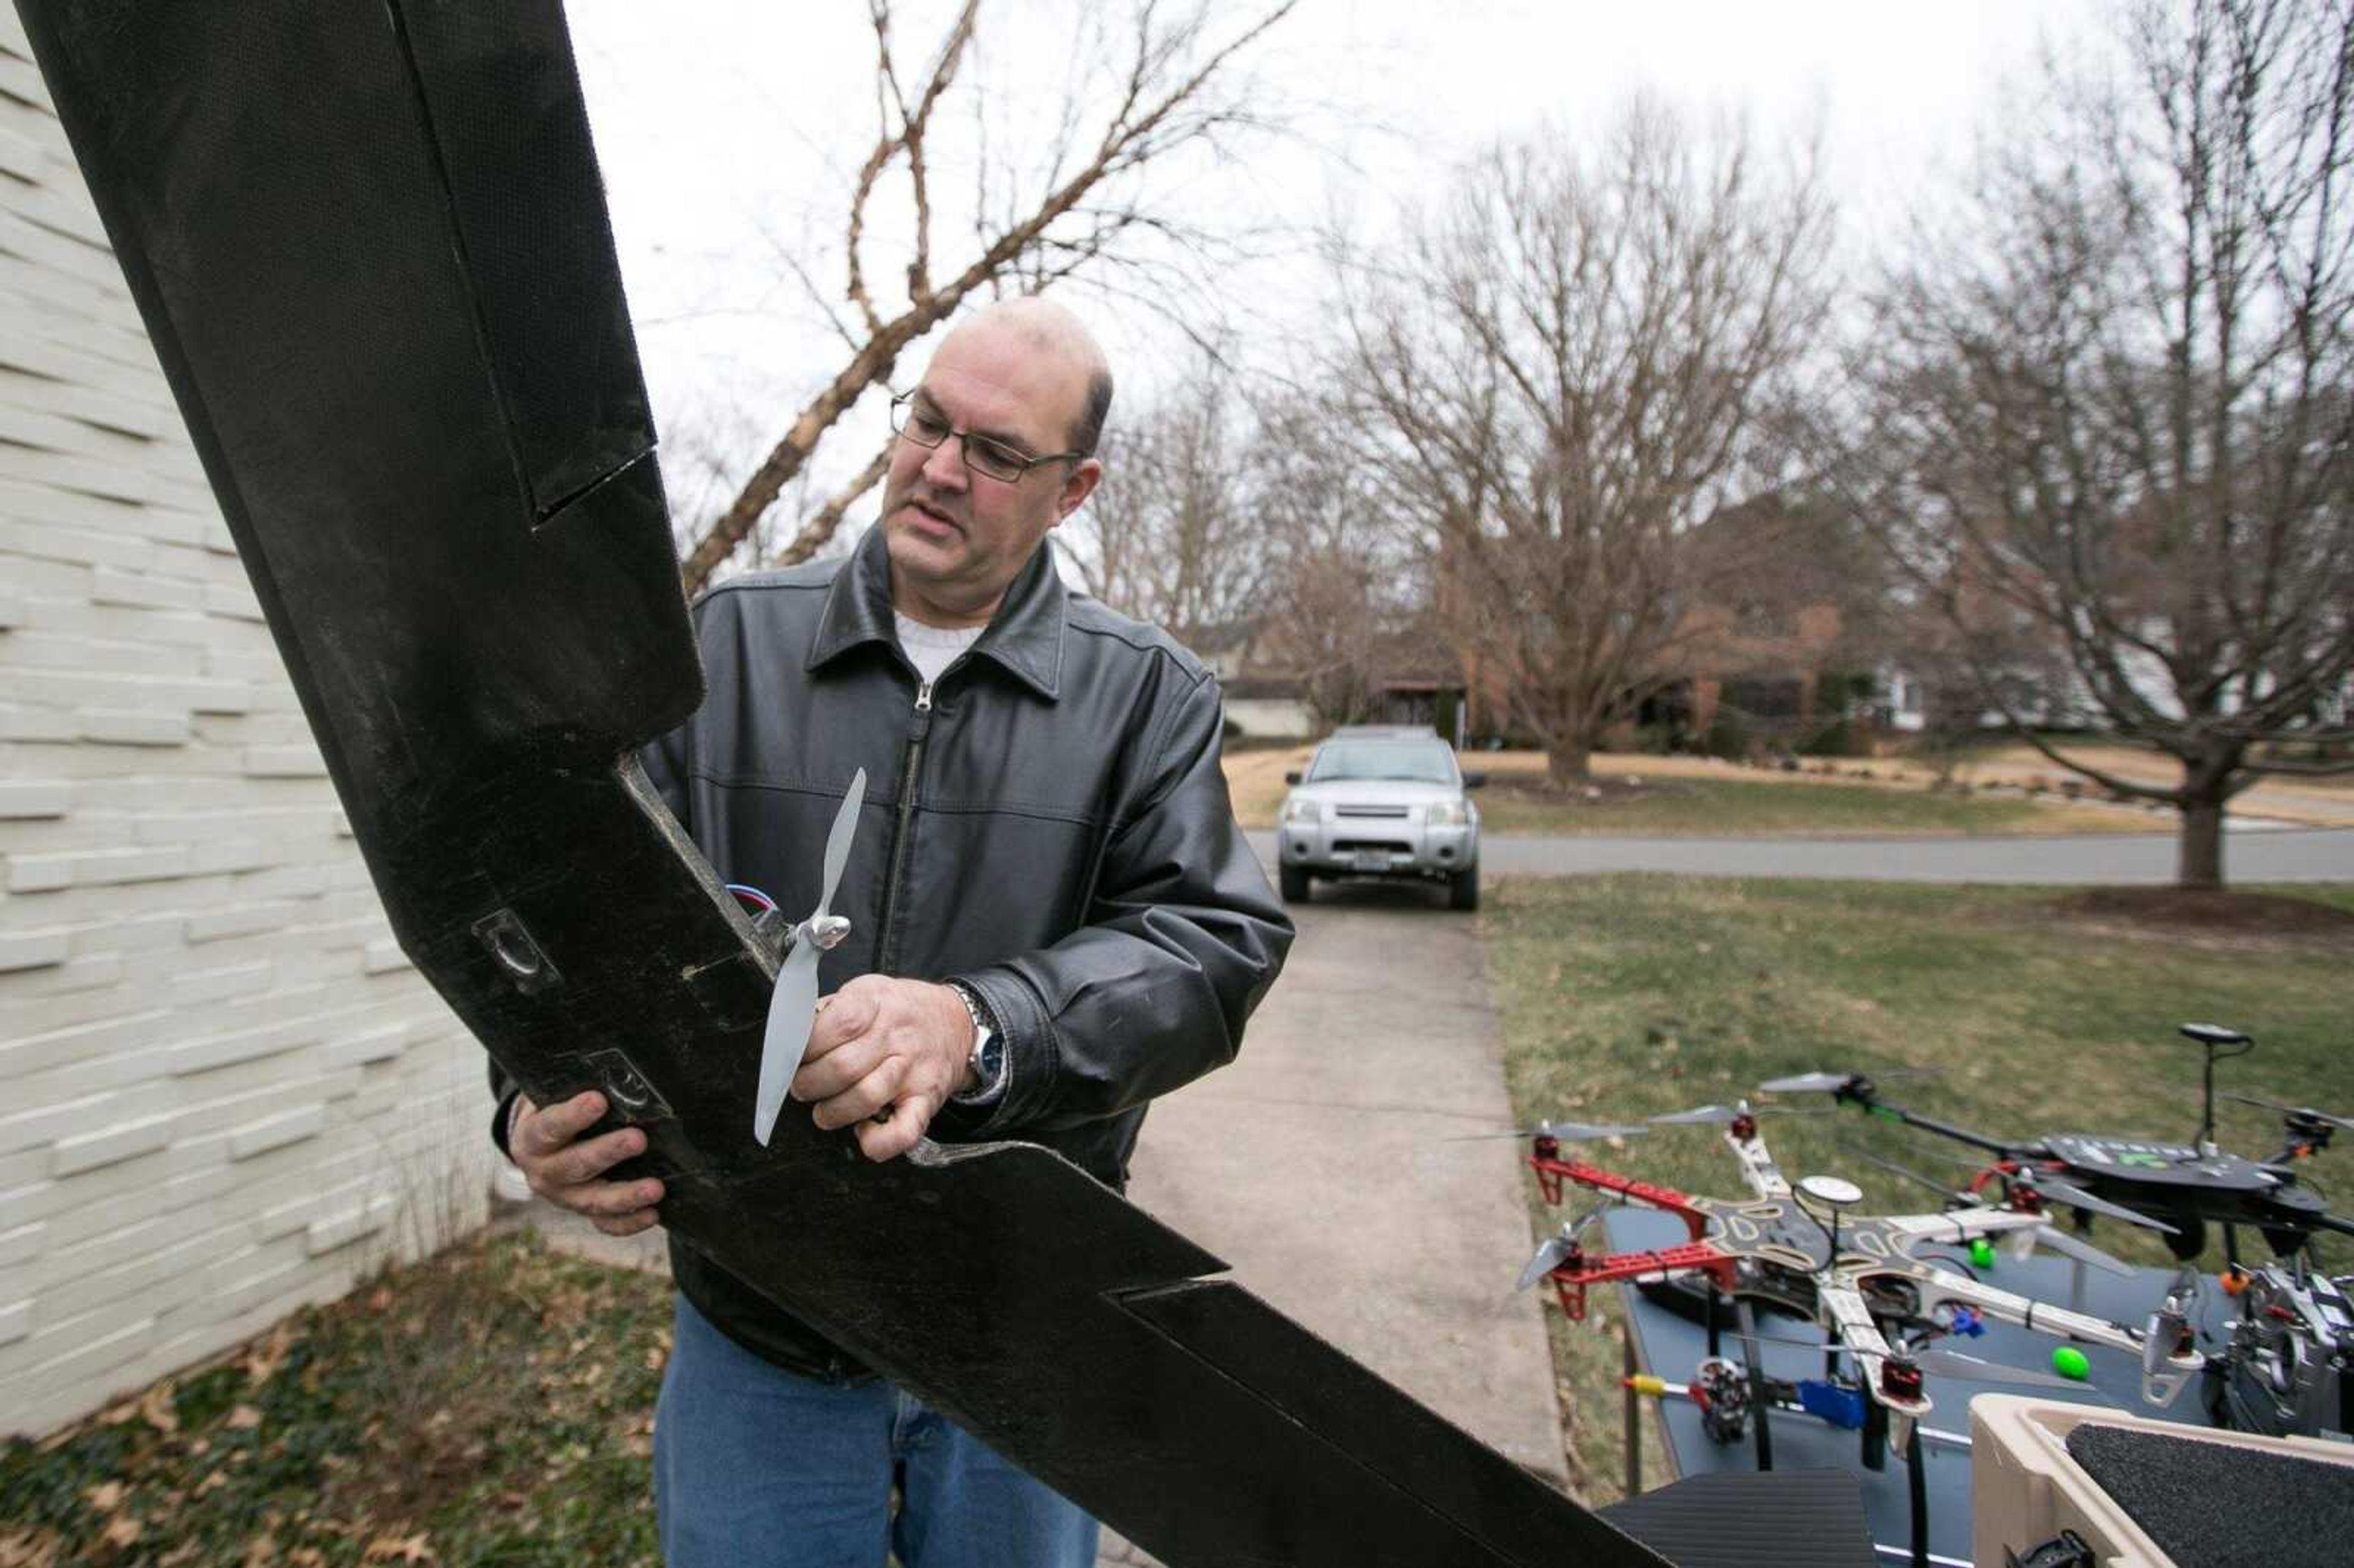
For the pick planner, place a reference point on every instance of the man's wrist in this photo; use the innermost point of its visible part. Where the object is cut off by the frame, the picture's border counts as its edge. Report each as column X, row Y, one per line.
column 985, row 1050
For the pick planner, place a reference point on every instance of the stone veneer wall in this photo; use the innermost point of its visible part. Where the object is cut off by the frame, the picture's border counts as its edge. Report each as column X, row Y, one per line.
column 223, row 1090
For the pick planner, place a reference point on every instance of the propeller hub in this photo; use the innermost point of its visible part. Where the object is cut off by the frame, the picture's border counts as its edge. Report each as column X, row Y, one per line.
column 826, row 931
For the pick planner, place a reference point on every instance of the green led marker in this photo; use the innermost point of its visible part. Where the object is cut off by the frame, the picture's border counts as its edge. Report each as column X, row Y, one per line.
column 2070, row 1362
column 1982, row 1251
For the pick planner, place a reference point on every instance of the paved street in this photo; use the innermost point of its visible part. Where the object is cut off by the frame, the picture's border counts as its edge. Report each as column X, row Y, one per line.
column 2252, row 854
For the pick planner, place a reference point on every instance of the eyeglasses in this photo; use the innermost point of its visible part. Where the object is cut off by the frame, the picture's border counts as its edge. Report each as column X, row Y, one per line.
column 990, row 459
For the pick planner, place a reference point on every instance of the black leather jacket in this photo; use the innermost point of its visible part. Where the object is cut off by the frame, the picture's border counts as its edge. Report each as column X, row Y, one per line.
column 1048, row 823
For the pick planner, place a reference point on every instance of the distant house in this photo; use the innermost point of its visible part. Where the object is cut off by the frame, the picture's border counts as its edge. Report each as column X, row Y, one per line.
column 1786, row 635
column 1261, row 704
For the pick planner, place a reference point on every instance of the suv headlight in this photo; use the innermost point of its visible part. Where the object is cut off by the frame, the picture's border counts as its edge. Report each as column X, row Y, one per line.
column 1299, row 811
column 1446, row 814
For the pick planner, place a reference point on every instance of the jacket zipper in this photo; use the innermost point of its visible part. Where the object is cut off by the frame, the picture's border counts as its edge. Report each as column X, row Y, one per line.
column 888, row 949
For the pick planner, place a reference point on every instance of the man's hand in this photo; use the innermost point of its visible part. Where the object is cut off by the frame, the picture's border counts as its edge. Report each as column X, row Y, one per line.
column 876, row 1042
column 566, row 1172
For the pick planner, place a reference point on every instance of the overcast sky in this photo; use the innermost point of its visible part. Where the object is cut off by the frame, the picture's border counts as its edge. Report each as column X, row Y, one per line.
column 726, row 130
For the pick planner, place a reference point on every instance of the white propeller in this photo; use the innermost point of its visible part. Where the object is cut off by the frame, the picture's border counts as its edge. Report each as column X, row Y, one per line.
column 794, row 1004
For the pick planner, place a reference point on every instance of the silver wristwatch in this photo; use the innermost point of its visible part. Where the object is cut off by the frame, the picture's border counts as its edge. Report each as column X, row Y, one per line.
column 988, row 1058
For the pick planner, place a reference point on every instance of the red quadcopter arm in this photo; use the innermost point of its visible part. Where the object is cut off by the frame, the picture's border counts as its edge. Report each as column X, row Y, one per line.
column 1578, row 1271
column 1552, row 1169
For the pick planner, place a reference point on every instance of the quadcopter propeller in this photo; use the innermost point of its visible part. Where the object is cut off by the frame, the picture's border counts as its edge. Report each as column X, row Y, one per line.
column 1556, row 1249
column 2060, row 1190
column 1809, row 1083
column 1953, row 1363
column 1943, row 1363
column 793, row 1006
column 2068, row 1193
column 2080, row 1249
column 1562, row 1131
column 2057, row 1240
column 1721, row 1116
column 1895, row 1169
column 2345, row 1122
column 1831, row 1083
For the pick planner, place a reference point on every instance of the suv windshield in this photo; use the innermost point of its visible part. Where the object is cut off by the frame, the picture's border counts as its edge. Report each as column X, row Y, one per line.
column 1420, row 763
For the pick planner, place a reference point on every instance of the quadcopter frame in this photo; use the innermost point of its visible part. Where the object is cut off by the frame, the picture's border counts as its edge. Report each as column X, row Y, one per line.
column 1830, row 1267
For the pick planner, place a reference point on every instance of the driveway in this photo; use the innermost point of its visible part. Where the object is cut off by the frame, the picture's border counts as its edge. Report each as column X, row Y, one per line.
column 1328, row 1165
column 2250, row 854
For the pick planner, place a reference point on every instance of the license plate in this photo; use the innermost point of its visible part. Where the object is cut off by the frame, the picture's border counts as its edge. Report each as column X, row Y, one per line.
column 1372, row 860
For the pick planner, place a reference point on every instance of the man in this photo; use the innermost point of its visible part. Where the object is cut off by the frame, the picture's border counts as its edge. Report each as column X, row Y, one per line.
column 1053, row 919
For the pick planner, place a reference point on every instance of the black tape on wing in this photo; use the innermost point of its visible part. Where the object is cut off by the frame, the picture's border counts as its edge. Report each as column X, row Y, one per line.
column 369, row 245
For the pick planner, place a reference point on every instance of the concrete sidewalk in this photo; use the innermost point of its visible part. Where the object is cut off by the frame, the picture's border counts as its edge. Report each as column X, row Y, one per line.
column 1328, row 1165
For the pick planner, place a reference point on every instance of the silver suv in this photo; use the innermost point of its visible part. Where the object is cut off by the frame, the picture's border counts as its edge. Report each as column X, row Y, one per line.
column 1383, row 801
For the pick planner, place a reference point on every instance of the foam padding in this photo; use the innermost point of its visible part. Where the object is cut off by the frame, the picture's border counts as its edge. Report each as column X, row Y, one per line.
column 2221, row 1506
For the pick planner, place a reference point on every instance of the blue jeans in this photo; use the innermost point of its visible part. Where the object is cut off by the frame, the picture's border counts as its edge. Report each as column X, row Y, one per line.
column 756, row 1465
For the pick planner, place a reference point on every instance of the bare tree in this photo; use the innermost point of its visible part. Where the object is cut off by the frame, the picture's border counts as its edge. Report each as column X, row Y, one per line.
column 1171, row 538
column 2114, row 407
column 1157, row 83
column 1565, row 370
column 1343, row 583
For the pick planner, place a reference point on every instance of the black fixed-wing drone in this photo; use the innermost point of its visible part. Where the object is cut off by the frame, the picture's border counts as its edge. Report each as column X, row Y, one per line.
column 2178, row 1188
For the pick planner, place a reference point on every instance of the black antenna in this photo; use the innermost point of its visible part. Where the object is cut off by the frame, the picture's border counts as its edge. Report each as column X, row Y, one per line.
column 2216, row 1039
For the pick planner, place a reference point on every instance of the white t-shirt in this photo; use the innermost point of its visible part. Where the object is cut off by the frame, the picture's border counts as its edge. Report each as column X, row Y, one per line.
column 932, row 649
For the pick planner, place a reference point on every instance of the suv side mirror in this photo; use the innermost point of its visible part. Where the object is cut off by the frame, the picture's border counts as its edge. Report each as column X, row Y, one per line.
column 1293, row 777
column 1475, row 782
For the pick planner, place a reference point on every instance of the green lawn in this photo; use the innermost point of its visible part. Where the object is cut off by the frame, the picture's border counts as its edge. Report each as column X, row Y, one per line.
column 491, row 1406
column 1626, row 996
column 1744, row 808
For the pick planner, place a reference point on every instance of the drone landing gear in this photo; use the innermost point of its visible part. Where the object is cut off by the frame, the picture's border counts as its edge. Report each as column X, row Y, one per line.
column 1875, row 1436
column 1916, row 1487
column 1754, row 1355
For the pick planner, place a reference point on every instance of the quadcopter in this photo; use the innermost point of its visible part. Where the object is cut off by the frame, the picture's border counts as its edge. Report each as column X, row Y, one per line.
column 1860, row 1278
column 2286, row 1365
column 2180, row 1187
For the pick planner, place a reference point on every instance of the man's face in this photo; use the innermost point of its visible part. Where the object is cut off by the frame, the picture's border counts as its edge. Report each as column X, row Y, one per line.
column 957, row 538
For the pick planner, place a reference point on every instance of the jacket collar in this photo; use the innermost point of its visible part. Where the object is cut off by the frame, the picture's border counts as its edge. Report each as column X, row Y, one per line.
column 1025, row 637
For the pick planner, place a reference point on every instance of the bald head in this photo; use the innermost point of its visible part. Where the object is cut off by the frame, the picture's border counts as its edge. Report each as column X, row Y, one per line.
column 1044, row 327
